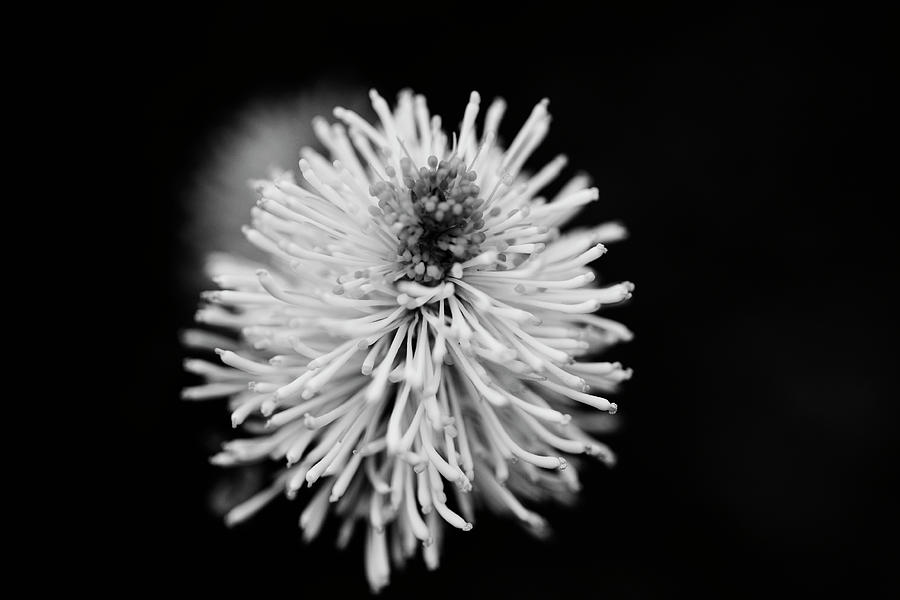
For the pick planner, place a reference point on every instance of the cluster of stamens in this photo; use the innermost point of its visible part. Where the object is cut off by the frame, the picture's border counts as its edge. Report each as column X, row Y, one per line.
column 436, row 217
column 441, row 373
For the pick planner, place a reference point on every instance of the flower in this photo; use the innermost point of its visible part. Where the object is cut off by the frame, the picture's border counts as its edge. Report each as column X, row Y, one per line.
column 417, row 341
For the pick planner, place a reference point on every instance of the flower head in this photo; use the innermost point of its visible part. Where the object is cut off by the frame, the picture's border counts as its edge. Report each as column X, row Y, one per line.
column 419, row 337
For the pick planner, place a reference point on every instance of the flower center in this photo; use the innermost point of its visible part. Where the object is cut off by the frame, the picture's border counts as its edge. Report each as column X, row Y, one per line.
column 437, row 218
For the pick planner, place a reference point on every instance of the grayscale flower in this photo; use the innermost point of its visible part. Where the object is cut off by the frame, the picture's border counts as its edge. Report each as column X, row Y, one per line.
column 420, row 341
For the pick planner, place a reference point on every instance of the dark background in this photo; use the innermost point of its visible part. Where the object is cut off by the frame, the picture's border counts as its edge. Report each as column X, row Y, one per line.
column 746, row 155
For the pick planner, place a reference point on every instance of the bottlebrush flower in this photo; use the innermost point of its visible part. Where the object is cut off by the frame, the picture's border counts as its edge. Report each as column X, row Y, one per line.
column 417, row 341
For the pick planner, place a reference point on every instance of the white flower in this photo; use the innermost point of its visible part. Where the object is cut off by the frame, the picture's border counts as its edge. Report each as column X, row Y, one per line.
column 416, row 339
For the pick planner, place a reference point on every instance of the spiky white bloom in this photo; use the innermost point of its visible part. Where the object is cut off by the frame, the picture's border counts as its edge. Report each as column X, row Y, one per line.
column 417, row 338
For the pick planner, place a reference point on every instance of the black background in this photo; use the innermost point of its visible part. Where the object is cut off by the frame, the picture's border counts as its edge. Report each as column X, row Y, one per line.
column 744, row 152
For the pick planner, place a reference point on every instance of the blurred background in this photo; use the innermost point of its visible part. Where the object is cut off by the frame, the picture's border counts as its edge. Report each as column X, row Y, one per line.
column 743, row 152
